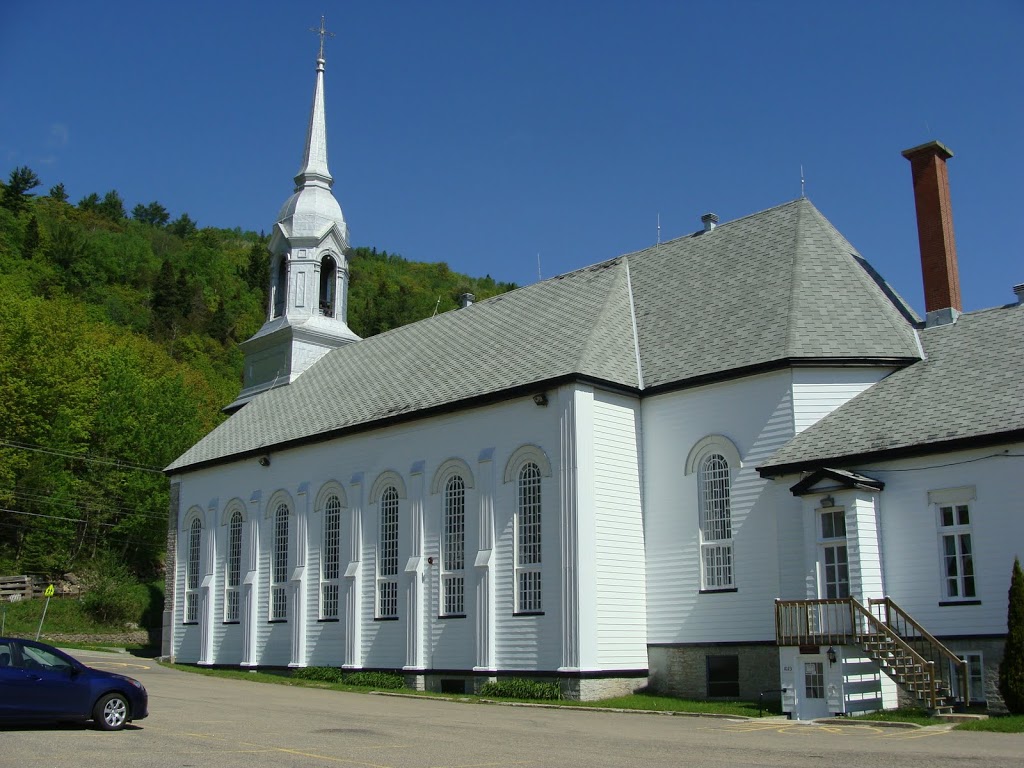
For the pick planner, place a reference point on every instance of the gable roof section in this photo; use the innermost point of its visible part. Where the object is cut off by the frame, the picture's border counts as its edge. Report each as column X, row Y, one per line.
column 967, row 391
column 577, row 324
column 772, row 288
column 779, row 285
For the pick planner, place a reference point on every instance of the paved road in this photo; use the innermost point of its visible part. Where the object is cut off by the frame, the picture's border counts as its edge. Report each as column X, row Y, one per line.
column 215, row 723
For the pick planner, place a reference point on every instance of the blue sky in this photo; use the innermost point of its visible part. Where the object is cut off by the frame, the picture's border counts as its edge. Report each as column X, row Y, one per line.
column 486, row 133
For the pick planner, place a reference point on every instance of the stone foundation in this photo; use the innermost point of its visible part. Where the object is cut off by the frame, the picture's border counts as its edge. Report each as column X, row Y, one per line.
column 682, row 670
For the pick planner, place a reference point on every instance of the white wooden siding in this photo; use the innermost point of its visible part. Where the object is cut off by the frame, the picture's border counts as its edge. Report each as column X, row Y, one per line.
column 619, row 570
column 756, row 415
column 819, row 391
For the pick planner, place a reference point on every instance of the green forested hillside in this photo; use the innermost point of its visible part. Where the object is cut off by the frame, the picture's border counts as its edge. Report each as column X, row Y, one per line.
column 118, row 347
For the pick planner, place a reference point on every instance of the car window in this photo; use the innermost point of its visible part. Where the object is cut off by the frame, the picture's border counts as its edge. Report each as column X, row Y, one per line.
column 37, row 658
column 6, row 657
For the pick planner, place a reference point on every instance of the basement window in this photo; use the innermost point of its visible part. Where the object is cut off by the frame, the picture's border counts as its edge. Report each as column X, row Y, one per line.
column 723, row 676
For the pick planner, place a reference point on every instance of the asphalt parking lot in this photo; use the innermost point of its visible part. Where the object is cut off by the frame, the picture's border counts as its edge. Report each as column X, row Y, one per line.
column 203, row 721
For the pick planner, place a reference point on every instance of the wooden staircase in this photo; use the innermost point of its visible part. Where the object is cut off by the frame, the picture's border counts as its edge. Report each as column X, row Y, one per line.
column 901, row 647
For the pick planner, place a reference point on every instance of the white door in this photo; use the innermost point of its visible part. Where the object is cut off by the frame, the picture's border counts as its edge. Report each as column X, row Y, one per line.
column 809, row 685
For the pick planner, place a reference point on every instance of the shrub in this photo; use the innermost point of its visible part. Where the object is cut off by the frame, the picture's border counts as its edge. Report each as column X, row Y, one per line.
column 112, row 595
column 383, row 680
column 323, row 674
column 1011, row 669
column 521, row 688
column 379, row 680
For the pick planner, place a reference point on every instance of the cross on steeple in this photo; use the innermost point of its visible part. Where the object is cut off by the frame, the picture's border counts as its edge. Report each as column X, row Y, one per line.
column 323, row 33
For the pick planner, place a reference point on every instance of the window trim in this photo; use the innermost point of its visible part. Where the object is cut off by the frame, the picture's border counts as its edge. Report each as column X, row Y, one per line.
column 233, row 566
column 835, row 541
column 955, row 500
column 529, row 523
column 280, row 558
column 715, row 531
column 330, row 558
column 388, row 540
column 193, row 570
column 453, row 548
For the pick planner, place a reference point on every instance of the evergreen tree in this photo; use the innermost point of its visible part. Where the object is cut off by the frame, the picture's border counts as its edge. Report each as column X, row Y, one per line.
column 90, row 203
column 1011, row 669
column 183, row 226
column 57, row 193
column 19, row 188
column 219, row 326
column 112, row 206
column 165, row 298
column 153, row 214
column 30, row 244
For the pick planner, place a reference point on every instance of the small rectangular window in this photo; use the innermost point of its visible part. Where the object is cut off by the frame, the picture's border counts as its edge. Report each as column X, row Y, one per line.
column 723, row 676
column 957, row 551
column 814, row 680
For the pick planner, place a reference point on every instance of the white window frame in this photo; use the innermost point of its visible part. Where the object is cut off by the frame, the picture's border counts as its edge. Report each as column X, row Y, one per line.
column 528, row 539
column 954, row 513
column 193, row 564
column 453, row 548
column 387, row 555
column 279, row 564
column 832, row 540
column 714, row 499
column 330, row 559
column 233, row 569
column 975, row 677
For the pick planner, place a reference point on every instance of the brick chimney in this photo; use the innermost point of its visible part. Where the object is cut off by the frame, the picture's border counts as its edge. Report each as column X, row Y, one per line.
column 935, row 231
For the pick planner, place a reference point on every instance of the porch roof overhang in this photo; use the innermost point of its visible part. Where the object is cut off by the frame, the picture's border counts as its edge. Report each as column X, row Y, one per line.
column 844, row 478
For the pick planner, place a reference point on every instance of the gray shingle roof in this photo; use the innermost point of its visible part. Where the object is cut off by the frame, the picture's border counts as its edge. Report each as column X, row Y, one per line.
column 968, row 387
column 774, row 286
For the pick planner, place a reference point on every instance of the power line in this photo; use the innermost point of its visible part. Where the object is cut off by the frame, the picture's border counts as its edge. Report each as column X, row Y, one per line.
column 85, row 506
column 1004, row 454
column 120, row 463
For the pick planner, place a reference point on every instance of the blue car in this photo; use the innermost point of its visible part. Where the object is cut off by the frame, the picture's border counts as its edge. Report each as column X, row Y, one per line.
column 40, row 683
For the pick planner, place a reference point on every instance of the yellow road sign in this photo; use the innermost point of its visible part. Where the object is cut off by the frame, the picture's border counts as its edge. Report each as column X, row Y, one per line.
column 49, row 591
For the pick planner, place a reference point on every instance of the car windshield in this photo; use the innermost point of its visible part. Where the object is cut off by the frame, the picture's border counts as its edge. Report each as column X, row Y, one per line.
column 40, row 659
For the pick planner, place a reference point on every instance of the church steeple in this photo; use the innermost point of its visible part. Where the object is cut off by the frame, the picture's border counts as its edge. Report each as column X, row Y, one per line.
column 308, row 306
column 314, row 162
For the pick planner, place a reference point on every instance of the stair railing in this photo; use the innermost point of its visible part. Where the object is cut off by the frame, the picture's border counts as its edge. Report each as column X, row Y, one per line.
column 904, row 625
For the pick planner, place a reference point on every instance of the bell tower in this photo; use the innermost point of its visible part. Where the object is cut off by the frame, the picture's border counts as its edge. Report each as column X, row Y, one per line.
column 308, row 306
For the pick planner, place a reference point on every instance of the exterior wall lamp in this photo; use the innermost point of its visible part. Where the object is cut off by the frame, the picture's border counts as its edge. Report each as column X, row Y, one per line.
column 831, row 654
column 828, row 501
column 541, row 399
column 264, row 460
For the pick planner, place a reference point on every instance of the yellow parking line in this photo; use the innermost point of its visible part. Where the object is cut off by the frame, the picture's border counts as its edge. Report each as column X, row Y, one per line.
column 121, row 664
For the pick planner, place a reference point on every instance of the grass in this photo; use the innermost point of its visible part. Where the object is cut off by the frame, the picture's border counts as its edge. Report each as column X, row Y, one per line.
column 995, row 724
column 638, row 701
column 65, row 615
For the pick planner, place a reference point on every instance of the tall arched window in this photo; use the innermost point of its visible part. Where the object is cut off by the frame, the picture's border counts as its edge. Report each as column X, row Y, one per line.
column 328, row 286
column 330, row 559
column 281, row 286
column 387, row 556
column 453, row 548
column 279, row 570
column 714, row 487
column 195, row 537
column 233, row 577
column 528, row 541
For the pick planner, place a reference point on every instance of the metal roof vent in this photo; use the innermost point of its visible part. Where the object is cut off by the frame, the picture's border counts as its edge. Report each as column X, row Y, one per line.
column 709, row 220
column 466, row 299
column 1019, row 290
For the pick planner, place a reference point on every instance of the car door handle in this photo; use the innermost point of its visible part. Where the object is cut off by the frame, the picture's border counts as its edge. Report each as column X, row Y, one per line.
column 34, row 678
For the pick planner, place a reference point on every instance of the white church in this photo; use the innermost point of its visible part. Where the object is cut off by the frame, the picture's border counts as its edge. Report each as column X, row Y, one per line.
column 730, row 463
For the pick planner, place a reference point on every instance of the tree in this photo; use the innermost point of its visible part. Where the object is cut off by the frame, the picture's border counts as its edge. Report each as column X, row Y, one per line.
column 33, row 238
column 165, row 298
column 57, row 193
column 112, row 206
column 153, row 214
column 1011, row 668
column 17, row 191
column 183, row 226
column 90, row 203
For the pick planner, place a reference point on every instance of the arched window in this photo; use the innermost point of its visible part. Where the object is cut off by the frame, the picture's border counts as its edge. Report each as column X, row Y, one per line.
column 528, row 540
column 330, row 559
column 195, row 537
column 387, row 556
column 713, row 489
column 233, row 577
column 453, row 548
column 279, row 570
column 281, row 286
column 328, row 286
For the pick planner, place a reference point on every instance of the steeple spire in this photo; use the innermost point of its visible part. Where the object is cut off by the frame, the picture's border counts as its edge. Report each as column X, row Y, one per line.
column 314, row 171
